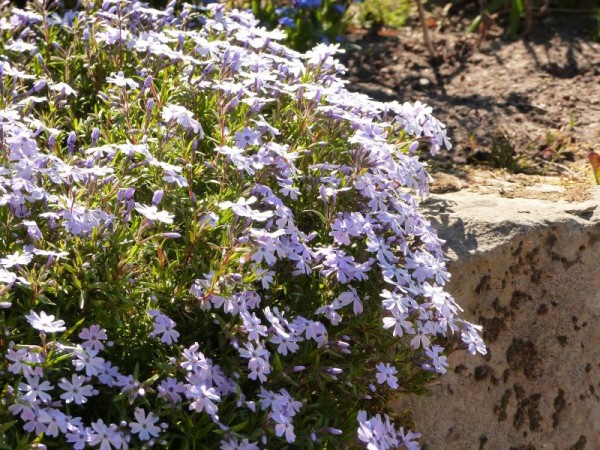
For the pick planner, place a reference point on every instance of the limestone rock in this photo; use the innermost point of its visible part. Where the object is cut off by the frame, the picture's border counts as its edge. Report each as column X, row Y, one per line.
column 528, row 271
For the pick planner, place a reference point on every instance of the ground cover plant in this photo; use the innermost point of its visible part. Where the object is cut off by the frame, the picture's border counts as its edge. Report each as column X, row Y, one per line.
column 207, row 239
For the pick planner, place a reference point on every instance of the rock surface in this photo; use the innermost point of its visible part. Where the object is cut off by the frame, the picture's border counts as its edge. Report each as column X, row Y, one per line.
column 528, row 271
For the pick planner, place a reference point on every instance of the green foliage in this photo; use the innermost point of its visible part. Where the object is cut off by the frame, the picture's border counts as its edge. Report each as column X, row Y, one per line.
column 389, row 13
column 516, row 8
column 306, row 22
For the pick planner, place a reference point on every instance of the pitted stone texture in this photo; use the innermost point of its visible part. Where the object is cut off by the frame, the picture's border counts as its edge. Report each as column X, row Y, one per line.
column 529, row 272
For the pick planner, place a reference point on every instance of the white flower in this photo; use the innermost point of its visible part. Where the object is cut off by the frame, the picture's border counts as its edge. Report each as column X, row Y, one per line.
column 144, row 425
column 241, row 208
column 16, row 259
column 120, row 80
column 182, row 116
column 7, row 277
column 63, row 88
column 57, row 255
column 20, row 46
column 152, row 213
column 45, row 322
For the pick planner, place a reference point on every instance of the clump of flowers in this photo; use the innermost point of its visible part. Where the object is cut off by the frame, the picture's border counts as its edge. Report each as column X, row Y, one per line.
column 206, row 238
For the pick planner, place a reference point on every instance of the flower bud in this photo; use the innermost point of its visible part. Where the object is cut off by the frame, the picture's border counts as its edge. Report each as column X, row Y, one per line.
column 71, row 141
column 95, row 135
column 157, row 197
column 149, row 106
column 171, row 235
column 125, row 194
column 39, row 85
column 413, row 147
column 147, row 82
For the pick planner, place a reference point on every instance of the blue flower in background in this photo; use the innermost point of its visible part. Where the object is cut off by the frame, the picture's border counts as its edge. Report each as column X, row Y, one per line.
column 341, row 9
column 307, row 4
column 287, row 22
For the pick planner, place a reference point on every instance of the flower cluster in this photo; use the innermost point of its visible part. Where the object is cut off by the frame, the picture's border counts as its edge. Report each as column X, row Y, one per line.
column 206, row 237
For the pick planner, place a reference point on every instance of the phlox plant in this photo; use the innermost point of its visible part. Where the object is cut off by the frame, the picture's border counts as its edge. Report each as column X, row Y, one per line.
column 206, row 240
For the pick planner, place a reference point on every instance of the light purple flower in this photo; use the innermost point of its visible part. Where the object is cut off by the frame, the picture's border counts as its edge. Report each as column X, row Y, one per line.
column 33, row 231
column 108, row 374
column 33, row 389
column 203, row 399
column 75, row 390
column 35, row 419
column 88, row 360
column 170, row 389
column 144, row 425
column 164, row 327
column 234, row 444
column 387, row 374
column 438, row 361
column 195, row 361
column 284, row 426
column 93, row 337
column 78, row 436
column 106, row 436
column 247, row 137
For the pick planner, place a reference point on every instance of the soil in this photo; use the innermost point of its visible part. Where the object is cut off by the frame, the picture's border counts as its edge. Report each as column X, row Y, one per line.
column 524, row 106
